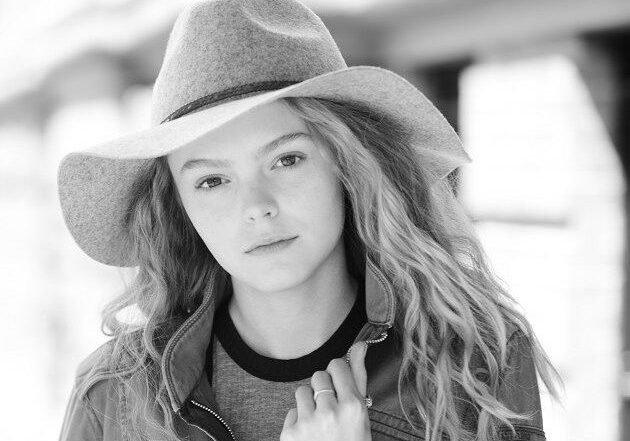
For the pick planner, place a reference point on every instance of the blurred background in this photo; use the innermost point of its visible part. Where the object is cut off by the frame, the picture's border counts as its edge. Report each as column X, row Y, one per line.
column 538, row 90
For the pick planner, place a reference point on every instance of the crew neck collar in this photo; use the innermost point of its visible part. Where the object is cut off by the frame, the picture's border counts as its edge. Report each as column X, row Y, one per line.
column 286, row 370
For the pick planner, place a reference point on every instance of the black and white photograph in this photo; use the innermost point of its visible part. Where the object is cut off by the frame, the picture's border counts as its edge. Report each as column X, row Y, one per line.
column 315, row 220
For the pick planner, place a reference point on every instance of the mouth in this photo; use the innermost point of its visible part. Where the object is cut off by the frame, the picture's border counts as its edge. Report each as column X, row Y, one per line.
column 272, row 246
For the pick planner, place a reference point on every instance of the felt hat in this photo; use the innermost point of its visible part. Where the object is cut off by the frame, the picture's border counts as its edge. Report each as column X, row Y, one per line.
column 223, row 58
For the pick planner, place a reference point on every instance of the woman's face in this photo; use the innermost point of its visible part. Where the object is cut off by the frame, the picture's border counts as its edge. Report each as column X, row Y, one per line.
column 262, row 175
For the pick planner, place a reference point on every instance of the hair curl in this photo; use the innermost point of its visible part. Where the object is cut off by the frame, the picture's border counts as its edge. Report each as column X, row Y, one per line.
column 448, row 302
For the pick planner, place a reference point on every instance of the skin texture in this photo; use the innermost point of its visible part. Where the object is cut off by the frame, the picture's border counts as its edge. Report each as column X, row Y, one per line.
column 282, row 304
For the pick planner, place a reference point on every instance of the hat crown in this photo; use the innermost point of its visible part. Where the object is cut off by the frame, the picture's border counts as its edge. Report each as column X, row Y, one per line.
column 220, row 50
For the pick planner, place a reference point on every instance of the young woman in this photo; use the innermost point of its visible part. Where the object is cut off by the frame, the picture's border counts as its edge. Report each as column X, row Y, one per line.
column 304, row 269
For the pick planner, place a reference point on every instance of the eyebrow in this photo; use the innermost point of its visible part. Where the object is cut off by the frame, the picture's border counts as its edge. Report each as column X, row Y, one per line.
column 262, row 151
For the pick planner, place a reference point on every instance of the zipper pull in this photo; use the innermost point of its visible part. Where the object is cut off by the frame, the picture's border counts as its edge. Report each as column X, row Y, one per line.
column 382, row 337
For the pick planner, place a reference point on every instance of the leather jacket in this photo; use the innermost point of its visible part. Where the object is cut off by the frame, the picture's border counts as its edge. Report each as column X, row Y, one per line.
column 191, row 395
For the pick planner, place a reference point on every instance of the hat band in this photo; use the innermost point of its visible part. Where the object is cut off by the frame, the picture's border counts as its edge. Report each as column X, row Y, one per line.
column 226, row 95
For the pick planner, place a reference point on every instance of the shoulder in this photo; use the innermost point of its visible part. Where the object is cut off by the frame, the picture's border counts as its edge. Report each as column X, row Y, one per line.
column 518, row 388
column 98, row 379
column 103, row 363
column 95, row 382
column 97, row 360
column 91, row 400
column 519, row 348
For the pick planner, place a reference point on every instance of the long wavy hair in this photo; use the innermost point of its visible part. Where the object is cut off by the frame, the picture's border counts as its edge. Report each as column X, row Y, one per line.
column 417, row 233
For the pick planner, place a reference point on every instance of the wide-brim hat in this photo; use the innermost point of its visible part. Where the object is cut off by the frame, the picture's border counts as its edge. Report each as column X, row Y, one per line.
column 223, row 58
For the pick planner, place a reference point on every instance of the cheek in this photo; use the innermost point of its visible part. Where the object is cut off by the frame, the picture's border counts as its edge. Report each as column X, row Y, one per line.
column 212, row 224
column 322, row 203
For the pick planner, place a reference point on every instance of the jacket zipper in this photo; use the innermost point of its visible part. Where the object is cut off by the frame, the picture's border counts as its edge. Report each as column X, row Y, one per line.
column 367, row 342
column 217, row 416
column 382, row 337
column 207, row 409
column 378, row 340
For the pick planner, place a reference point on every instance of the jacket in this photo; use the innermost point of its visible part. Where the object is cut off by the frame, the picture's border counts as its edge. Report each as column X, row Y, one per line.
column 191, row 395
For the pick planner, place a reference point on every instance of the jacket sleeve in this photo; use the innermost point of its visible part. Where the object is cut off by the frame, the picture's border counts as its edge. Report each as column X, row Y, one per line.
column 80, row 422
column 518, row 390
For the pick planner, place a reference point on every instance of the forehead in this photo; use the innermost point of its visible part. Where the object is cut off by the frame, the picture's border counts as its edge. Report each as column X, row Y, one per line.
column 244, row 134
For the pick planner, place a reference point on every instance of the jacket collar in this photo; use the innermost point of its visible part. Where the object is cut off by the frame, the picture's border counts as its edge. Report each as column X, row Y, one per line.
column 183, row 361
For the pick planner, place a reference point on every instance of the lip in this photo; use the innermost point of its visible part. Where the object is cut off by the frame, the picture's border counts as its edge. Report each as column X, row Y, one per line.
column 270, row 241
column 272, row 247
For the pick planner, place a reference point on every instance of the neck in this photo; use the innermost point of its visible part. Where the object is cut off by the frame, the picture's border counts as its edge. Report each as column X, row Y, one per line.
column 295, row 321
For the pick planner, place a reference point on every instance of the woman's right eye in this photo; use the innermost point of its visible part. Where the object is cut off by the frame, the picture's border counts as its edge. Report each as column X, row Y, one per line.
column 208, row 180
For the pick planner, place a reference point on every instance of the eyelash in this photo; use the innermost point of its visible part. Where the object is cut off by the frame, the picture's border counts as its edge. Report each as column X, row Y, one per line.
column 199, row 186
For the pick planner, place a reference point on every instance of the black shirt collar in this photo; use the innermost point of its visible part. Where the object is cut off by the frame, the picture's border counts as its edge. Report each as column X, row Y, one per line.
column 295, row 369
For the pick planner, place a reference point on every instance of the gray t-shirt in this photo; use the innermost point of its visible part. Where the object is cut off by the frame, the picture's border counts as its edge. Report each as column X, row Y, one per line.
column 255, row 392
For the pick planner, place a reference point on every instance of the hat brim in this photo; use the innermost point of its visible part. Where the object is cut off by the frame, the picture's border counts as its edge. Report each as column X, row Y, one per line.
column 93, row 184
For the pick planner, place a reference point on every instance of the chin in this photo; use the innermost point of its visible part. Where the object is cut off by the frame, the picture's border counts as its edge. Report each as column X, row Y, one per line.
column 275, row 277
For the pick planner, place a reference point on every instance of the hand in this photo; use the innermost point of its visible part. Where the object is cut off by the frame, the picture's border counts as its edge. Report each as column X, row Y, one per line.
column 334, row 417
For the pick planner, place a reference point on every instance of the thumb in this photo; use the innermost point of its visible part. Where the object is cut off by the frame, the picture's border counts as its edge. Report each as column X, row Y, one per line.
column 357, row 365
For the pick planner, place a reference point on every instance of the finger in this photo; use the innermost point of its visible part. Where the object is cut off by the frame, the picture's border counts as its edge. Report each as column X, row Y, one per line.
column 304, row 400
column 357, row 366
column 290, row 419
column 319, row 381
column 343, row 380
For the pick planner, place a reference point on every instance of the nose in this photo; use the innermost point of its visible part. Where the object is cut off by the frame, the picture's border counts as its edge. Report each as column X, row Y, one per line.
column 258, row 203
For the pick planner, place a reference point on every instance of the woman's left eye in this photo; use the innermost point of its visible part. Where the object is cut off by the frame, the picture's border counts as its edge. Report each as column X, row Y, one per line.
column 290, row 156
